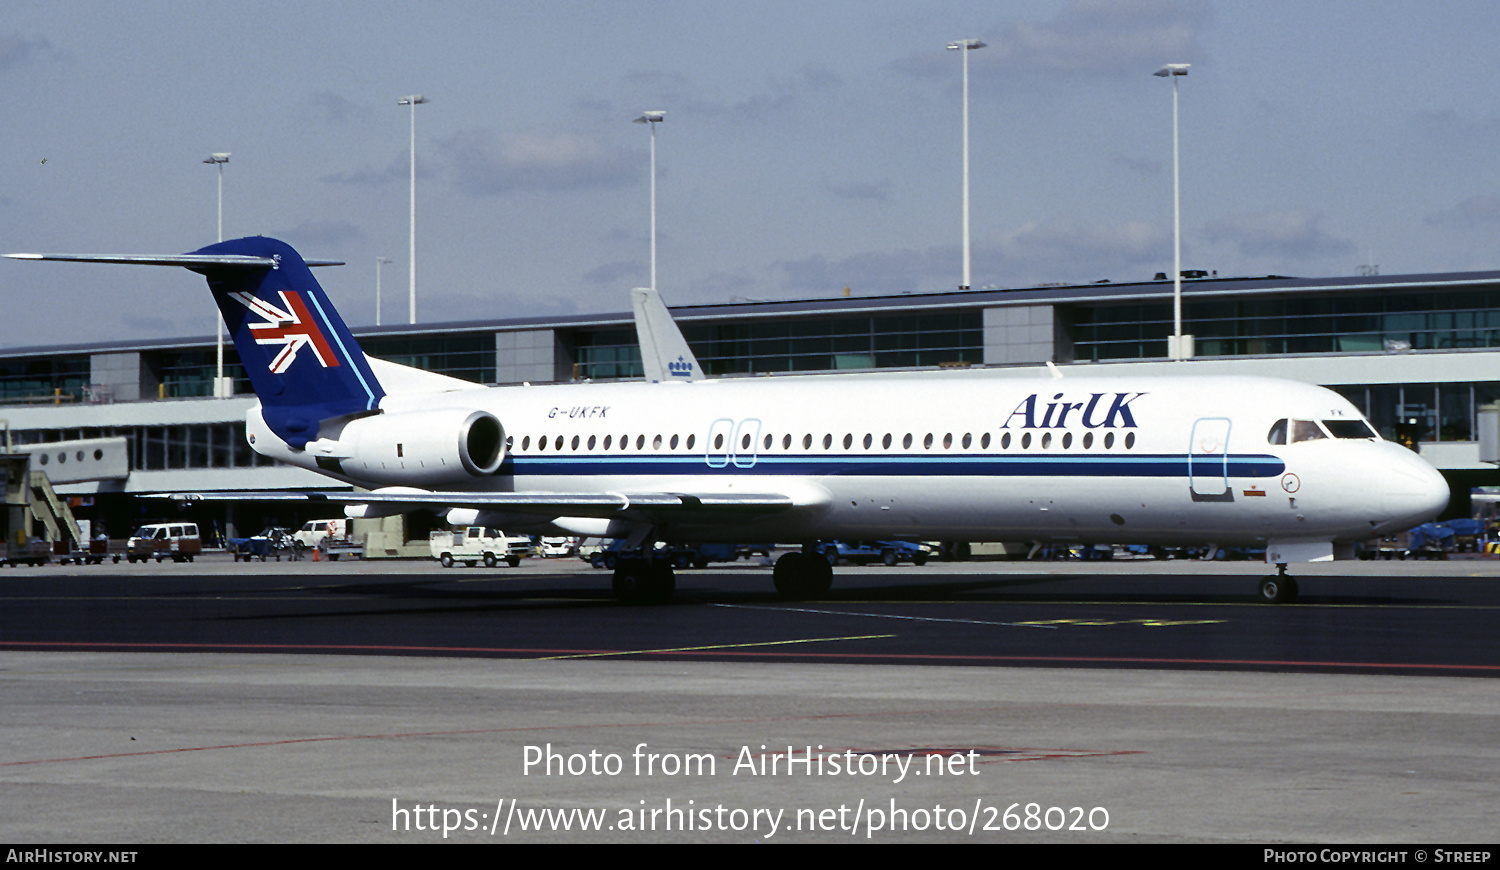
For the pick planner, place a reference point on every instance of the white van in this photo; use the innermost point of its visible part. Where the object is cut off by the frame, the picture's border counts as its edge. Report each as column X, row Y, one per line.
column 160, row 540
column 313, row 532
column 477, row 544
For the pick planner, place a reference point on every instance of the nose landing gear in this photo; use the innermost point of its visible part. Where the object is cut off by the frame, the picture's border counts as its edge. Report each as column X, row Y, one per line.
column 1278, row 588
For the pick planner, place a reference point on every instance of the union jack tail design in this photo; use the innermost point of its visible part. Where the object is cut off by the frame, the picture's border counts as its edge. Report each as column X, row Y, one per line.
column 293, row 328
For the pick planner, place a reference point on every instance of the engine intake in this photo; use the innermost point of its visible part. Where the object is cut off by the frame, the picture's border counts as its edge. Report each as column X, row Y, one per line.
column 424, row 447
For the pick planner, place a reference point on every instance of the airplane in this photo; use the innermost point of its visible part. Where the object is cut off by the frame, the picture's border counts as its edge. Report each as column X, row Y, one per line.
column 920, row 455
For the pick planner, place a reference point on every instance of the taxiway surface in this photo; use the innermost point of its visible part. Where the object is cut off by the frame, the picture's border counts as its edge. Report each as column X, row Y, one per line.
column 373, row 703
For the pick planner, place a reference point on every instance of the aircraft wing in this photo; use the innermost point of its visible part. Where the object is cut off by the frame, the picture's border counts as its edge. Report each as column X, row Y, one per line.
column 553, row 504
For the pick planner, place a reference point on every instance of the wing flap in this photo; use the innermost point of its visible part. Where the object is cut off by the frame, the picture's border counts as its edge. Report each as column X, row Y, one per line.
column 580, row 504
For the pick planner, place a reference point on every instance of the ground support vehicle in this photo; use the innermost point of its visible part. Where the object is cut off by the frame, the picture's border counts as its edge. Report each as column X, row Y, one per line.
column 555, row 546
column 476, row 544
column 34, row 551
column 334, row 546
column 313, row 532
column 676, row 555
column 864, row 552
column 750, row 551
column 98, row 551
column 272, row 541
column 1468, row 535
column 159, row 541
column 250, row 549
column 1431, row 541
column 1427, row 541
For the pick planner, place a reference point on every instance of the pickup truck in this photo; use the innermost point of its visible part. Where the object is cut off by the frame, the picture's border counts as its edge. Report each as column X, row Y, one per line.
column 476, row 544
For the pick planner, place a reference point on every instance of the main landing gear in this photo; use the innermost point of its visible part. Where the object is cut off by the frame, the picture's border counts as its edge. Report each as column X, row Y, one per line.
column 1278, row 588
column 800, row 575
column 642, row 581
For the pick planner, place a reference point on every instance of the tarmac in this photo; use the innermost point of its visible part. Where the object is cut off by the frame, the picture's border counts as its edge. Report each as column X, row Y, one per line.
column 160, row 748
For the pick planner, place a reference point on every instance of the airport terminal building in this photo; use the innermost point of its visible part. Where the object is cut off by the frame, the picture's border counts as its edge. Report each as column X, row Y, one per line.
column 1419, row 354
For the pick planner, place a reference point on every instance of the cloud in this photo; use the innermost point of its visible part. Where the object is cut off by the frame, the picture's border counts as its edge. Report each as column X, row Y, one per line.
column 870, row 273
column 1472, row 212
column 1138, row 165
column 1446, row 125
column 315, row 233
column 16, row 51
column 878, row 191
column 151, row 325
column 487, row 163
column 1033, row 254
column 330, row 108
column 1128, row 242
column 398, row 169
column 1086, row 38
column 616, row 272
column 724, row 285
column 782, row 92
column 1290, row 233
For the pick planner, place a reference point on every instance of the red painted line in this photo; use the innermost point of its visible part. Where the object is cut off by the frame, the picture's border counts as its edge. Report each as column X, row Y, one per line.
column 1072, row 753
column 916, row 657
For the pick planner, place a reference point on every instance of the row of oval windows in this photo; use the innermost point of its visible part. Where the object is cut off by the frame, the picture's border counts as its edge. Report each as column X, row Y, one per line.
column 1045, row 442
column 63, row 457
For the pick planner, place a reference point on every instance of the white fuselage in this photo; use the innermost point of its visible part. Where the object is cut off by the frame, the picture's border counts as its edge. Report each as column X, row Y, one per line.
column 951, row 455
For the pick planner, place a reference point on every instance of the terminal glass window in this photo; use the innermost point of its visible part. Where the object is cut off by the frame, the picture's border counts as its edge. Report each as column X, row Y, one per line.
column 799, row 345
column 190, row 373
column 468, row 357
column 1305, row 323
column 44, row 380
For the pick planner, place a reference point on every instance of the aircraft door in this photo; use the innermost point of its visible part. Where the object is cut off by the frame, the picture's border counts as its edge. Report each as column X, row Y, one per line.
column 1208, row 456
column 745, row 437
column 717, row 446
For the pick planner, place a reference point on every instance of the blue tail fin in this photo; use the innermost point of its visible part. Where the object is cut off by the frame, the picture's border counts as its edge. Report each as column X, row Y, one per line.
column 302, row 360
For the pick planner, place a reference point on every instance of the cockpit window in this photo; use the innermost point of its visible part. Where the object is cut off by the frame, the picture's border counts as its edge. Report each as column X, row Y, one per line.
column 1306, row 430
column 1349, row 429
column 1277, row 435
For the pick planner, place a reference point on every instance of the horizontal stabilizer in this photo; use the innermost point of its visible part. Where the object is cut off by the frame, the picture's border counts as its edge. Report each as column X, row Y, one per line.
column 190, row 261
column 300, row 357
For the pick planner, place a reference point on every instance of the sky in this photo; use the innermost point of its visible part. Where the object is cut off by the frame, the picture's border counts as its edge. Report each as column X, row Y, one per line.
column 806, row 148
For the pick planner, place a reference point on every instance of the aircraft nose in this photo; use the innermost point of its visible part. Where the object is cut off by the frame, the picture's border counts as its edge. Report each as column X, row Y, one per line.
column 1412, row 491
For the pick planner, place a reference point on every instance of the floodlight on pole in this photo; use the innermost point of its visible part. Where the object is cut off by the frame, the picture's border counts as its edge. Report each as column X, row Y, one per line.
column 1179, row 347
column 222, row 388
column 651, row 119
column 963, row 47
column 414, row 100
column 379, row 261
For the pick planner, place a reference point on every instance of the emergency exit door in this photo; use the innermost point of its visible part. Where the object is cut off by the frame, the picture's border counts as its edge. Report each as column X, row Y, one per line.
column 1208, row 456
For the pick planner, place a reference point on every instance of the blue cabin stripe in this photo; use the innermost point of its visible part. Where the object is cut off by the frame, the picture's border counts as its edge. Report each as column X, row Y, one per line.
column 840, row 465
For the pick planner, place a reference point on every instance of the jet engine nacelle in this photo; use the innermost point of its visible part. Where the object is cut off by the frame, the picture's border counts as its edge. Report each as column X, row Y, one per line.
column 423, row 447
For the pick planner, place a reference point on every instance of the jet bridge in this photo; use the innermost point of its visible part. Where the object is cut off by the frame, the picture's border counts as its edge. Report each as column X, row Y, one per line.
column 33, row 511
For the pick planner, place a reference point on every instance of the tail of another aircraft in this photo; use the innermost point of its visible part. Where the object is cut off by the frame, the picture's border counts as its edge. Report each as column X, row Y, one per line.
column 664, row 352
